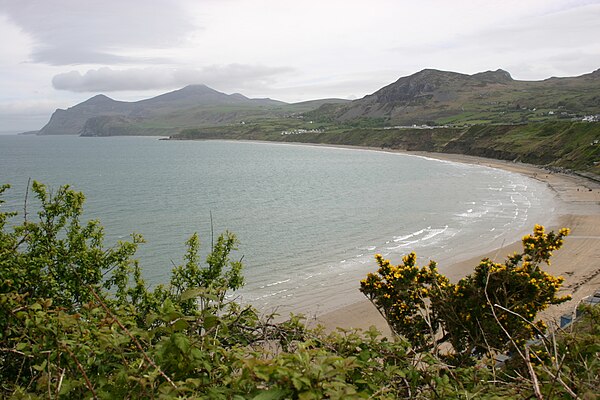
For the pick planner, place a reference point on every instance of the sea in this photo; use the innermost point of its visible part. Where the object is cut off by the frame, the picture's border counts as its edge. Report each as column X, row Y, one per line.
column 309, row 219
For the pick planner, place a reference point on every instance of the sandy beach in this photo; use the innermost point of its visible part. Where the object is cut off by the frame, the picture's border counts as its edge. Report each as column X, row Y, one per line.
column 578, row 208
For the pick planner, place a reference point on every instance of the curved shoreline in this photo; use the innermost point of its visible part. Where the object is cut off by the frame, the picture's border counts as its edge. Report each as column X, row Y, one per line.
column 578, row 208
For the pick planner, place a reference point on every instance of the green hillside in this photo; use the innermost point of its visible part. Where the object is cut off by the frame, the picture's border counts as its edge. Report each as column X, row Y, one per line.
column 488, row 114
column 566, row 144
column 440, row 98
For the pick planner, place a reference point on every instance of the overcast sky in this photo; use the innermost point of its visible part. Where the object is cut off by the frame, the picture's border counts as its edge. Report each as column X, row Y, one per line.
column 56, row 53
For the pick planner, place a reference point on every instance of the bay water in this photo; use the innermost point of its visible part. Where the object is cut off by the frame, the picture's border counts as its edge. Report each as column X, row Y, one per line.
column 309, row 218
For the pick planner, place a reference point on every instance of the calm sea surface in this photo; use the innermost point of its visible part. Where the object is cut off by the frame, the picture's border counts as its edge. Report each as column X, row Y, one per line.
column 309, row 219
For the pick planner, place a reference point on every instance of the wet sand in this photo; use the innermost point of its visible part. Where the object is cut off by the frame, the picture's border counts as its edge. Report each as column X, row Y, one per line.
column 578, row 208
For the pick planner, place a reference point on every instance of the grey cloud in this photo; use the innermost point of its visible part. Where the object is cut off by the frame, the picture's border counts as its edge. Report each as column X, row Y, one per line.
column 229, row 77
column 85, row 32
column 64, row 56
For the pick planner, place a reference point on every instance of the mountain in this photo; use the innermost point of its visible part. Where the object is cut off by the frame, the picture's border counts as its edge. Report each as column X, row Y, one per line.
column 196, row 96
column 431, row 84
column 430, row 97
column 71, row 120
column 191, row 106
column 441, row 97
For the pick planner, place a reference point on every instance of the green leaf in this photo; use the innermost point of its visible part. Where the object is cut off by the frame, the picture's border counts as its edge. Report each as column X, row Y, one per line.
column 192, row 293
column 181, row 342
column 210, row 321
column 66, row 386
column 180, row 325
column 40, row 367
column 172, row 316
column 271, row 394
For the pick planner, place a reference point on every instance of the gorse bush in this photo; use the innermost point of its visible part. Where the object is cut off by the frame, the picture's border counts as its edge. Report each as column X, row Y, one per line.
column 400, row 292
column 78, row 321
column 490, row 310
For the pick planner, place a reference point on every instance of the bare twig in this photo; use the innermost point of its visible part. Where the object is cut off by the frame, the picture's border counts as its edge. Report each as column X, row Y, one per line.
column 49, row 375
column 559, row 380
column 20, row 370
column 212, row 233
column 407, row 388
column 498, row 320
column 394, row 333
column 523, row 318
column 498, row 251
column 525, row 356
column 536, row 385
column 485, row 338
column 80, row 368
column 25, row 202
column 60, row 381
column 16, row 352
column 555, row 350
column 426, row 314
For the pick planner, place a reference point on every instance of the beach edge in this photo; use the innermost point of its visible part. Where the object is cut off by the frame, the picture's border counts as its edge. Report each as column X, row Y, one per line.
column 578, row 208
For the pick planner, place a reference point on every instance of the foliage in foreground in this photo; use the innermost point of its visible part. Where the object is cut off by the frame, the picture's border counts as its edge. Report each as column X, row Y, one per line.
column 491, row 310
column 72, row 325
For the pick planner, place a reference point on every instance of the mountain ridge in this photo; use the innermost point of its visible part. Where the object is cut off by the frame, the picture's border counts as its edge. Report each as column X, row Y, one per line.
column 72, row 121
column 429, row 96
column 437, row 97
